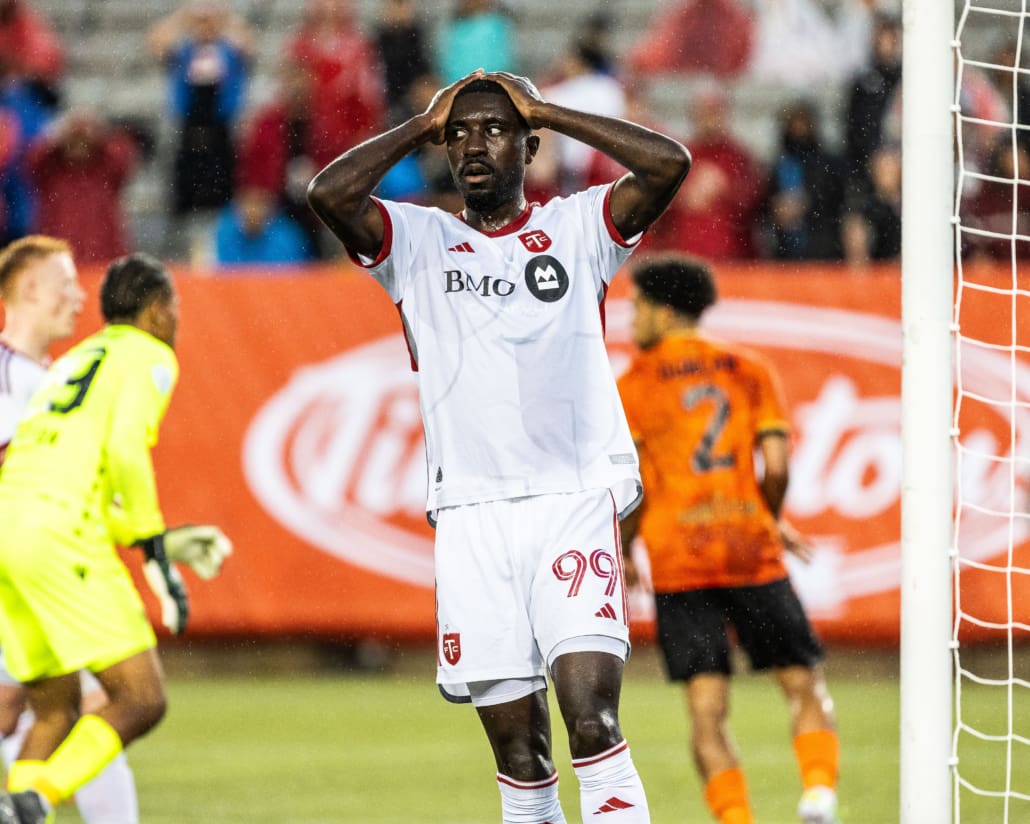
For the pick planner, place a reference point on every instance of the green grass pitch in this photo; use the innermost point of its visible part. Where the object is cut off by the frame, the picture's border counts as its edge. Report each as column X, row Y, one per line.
column 386, row 749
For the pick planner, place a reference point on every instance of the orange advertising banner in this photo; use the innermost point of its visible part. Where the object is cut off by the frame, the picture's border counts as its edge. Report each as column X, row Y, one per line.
column 295, row 426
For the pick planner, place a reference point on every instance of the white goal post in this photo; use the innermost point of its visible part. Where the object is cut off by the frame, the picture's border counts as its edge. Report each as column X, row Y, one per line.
column 927, row 462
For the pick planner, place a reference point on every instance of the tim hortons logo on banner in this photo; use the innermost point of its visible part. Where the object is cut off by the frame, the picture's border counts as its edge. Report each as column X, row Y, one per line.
column 337, row 455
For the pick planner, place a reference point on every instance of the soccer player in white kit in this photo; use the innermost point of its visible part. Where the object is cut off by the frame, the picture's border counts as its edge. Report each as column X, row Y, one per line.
column 530, row 460
column 42, row 298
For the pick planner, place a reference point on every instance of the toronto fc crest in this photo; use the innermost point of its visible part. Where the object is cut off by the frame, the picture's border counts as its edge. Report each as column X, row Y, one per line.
column 452, row 647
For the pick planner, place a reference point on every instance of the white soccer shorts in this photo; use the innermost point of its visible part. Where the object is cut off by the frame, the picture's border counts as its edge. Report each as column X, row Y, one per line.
column 515, row 578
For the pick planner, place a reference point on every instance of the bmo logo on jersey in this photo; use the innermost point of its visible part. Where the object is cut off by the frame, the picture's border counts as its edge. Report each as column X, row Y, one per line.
column 546, row 278
column 487, row 286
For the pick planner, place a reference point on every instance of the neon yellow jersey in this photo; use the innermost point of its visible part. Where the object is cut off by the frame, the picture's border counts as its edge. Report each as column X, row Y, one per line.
column 80, row 459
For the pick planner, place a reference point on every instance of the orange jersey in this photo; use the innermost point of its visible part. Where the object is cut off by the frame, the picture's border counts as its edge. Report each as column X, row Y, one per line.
column 697, row 409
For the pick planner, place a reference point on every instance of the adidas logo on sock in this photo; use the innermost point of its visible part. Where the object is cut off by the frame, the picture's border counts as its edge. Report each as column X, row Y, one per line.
column 613, row 805
column 607, row 611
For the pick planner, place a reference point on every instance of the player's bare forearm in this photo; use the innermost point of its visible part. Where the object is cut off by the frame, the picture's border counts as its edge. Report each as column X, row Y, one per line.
column 774, row 490
column 775, row 455
column 341, row 193
column 657, row 164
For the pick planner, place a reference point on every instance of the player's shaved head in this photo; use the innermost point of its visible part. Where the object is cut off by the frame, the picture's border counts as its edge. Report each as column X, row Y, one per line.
column 19, row 255
column 485, row 86
column 684, row 284
column 131, row 284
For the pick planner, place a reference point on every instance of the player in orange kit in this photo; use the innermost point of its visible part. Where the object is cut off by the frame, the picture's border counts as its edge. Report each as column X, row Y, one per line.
column 698, row 410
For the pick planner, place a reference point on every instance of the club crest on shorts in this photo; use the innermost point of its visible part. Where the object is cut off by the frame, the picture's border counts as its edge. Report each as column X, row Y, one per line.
column 452, row 647
column 546, row 278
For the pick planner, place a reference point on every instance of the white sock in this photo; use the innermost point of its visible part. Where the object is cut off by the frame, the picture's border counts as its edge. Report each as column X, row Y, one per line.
column 11, row 745
column 110, row 798
column 530, row 802
column 609, row 784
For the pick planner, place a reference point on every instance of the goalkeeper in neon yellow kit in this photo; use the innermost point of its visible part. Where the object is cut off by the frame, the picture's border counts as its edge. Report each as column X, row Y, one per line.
column 77, row 480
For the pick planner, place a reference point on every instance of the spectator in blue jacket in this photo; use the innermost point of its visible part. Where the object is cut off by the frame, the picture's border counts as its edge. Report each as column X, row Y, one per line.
column 253, row 230
column 206, row 51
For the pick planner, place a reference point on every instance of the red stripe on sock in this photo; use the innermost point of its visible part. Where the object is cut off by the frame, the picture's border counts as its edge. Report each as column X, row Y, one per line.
column 528, row 785
column 601, row 756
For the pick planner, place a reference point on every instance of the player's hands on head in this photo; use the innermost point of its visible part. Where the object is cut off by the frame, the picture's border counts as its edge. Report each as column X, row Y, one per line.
column 203, row 548
column 439, row 108
column 524, row 95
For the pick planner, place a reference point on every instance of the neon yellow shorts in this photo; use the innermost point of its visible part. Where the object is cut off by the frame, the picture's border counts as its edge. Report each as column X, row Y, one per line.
column 65, row 604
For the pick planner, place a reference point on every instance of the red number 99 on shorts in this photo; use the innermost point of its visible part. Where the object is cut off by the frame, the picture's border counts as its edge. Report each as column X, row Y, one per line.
column 573, row 565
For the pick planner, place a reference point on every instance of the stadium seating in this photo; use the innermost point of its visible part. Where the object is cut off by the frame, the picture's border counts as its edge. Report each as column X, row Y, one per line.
column 111, row 70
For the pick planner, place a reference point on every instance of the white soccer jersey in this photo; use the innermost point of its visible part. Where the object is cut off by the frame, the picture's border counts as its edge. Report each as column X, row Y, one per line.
column 506, row 330
column 20, row 377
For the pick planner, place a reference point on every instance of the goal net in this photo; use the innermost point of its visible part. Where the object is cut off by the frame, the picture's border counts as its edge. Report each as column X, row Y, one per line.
column 990, row 755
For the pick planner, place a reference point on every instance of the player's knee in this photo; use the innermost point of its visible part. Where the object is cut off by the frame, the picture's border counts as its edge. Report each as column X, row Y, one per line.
column 801, row 684
column 146, row 709
column 525, row 765
column 12, row 705
column 594, row 732
column 153, row 710
column 9, row 720
column 708, row 709
column 523, row 757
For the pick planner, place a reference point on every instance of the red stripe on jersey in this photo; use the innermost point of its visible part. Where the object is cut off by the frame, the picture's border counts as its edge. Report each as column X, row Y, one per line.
column 601, row 756
column 528, row 785
column 620, row 561
column 609, row 223
column 407, row 336
column 600, row 307
column 384, row 250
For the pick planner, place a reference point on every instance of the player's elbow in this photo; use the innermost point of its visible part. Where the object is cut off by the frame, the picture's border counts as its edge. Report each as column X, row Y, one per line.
column 680, row 161
column 673, row 164
column 667, row 168
column 338, row 192
column 319, row 194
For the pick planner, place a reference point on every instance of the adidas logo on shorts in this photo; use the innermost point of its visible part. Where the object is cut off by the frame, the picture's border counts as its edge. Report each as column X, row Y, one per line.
column 607, row 611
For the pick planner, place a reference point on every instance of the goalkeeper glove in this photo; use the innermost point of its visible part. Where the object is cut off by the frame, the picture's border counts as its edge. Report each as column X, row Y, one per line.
column 166, row 583
column 204, row 548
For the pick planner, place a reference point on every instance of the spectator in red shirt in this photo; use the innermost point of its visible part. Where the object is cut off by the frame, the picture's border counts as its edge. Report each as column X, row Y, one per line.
column 705, row 36
column 349, row 83
column 32, row 49
column 713, row 214
column 79, row 170
column 285, row 142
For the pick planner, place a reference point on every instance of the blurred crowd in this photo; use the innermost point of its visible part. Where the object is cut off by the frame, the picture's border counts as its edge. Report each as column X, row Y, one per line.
column 236, row 185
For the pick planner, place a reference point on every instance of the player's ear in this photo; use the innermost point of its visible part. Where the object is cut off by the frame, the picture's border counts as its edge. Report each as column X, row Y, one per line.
column 26, row 286
column 532, row 146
